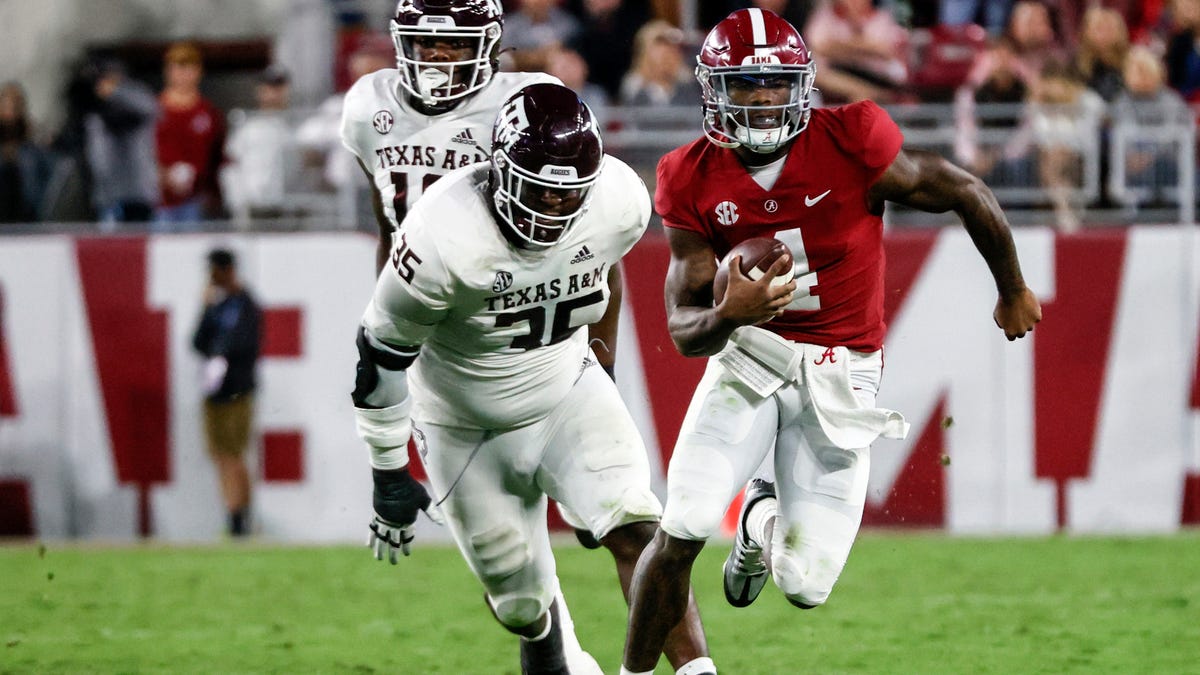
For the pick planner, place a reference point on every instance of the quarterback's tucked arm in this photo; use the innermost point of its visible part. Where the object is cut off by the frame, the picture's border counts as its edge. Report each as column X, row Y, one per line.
column 697, row 327
column 926, row 181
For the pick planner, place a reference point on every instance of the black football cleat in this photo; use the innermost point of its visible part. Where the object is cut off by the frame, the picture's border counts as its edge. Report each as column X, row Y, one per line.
column 745, row 571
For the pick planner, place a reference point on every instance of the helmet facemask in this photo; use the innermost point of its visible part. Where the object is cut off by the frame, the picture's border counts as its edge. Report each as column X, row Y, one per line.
column 436, row 83
column 730, row 125
column 518, row 196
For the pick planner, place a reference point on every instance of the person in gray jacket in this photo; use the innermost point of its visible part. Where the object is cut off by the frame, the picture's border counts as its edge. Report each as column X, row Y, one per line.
column 119, row 129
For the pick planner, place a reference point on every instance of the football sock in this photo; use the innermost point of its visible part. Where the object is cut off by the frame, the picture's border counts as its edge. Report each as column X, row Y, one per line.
column 626, row 671
column 756, row 520
column 543, row 655
column 545, row 631
column 700, row 666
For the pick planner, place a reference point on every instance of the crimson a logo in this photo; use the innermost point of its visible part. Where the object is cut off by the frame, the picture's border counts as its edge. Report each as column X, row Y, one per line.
column 727, row 213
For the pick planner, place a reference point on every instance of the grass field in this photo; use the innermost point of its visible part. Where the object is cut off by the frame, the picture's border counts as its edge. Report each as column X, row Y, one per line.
column 905, row 604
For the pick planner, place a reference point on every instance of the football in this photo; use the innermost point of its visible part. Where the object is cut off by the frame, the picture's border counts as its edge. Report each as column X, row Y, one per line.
column 758, row 254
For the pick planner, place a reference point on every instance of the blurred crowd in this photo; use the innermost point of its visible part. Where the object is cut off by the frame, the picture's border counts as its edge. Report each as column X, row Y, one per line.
column 164, row 153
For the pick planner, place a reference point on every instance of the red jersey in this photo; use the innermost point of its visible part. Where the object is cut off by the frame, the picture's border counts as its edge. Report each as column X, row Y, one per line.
column 818, row 207
column 194, row 136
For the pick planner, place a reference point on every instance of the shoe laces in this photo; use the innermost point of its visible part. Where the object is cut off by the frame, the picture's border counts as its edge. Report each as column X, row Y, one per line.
column 747, row 557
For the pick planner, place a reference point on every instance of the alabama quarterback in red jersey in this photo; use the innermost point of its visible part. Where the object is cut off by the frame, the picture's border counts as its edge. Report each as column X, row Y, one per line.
column 795, row 366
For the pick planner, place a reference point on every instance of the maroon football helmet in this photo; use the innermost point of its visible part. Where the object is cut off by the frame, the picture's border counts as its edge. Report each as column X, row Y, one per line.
column 749, row 48
column 546, row 156
column 478, row 23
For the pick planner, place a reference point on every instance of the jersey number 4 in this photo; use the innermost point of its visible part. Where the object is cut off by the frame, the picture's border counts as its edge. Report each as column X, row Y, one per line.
column 560, row 328
column 805, row 279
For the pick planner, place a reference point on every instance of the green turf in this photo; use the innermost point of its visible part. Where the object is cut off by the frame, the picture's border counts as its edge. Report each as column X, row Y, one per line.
column 905, row 604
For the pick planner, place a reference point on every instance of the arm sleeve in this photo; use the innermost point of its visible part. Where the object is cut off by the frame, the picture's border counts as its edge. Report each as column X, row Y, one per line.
column 135, row 101
column 636, row 214
column 357, row 107
column 671, row 196
column 244, row 337
column 872, row 137
column 406, row 307
column 203, row 334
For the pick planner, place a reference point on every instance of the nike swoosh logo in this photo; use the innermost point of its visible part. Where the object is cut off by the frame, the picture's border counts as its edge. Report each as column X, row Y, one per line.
column 810, row 201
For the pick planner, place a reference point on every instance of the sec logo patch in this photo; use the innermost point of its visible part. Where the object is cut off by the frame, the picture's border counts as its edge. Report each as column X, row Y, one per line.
column 383, row 121
column 727, row 213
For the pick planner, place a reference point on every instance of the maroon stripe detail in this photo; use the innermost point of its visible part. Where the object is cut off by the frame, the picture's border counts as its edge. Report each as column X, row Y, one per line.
column 918, row 497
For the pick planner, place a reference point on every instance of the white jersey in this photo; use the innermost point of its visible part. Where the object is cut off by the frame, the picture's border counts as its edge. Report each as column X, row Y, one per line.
column 405, row 150
column 500, row 325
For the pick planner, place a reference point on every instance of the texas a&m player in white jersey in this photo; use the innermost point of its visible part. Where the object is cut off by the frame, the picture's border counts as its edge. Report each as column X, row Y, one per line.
column 413, row 124
column 473, row 344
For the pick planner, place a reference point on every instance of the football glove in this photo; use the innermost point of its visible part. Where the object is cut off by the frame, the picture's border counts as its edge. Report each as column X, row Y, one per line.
column 397, row 499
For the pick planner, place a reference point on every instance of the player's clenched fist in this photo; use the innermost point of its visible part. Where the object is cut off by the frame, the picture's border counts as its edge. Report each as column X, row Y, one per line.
column 397, row 498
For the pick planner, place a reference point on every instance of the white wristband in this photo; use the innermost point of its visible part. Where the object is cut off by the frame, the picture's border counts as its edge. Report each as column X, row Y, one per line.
column 389, row 458
column 387, row 431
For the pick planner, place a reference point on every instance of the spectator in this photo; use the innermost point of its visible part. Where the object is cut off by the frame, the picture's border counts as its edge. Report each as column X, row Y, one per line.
column 860, row 51
column 1183, row 49
column 1147, row 101
column 119, row 131
column 1004, row 84
column 1034, row 41
column 228, row 339
column 659, row 75
column 606, row 39
column 25, row 166
column 570, row 68
column 1063, row 116
column 190, row 136
column 319, row 136
column 962, row 12
column 1100, row 57
column 258, row 153
column 535, row 28
column 796, row 12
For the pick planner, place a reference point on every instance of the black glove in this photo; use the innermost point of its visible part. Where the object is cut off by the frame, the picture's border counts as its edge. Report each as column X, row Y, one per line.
column 397, row 499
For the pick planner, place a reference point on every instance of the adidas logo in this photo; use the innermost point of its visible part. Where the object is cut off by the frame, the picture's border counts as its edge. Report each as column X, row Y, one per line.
column 584, row 255
column 465, row 137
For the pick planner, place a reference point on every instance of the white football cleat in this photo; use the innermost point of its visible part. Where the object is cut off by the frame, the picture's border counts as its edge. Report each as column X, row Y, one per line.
column 745, row 571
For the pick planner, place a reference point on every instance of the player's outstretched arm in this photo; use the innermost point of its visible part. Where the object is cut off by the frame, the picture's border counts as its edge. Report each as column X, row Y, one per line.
column 926, row 181
column 697, row 327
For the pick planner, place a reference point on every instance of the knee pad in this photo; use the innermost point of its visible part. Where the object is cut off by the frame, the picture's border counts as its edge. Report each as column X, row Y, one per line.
column 500, row 553
column 807, row 575
column 517, row 610
column 699, row 490
column 694, row 519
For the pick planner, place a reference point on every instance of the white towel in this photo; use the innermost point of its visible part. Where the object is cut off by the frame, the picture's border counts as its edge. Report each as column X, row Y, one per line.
column 839, row 414
column 844, row 420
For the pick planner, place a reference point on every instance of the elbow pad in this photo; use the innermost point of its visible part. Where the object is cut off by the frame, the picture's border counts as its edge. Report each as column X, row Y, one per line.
column 380, row 381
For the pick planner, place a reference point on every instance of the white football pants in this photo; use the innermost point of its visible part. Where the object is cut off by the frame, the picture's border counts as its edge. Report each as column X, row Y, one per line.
column 727, row 434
